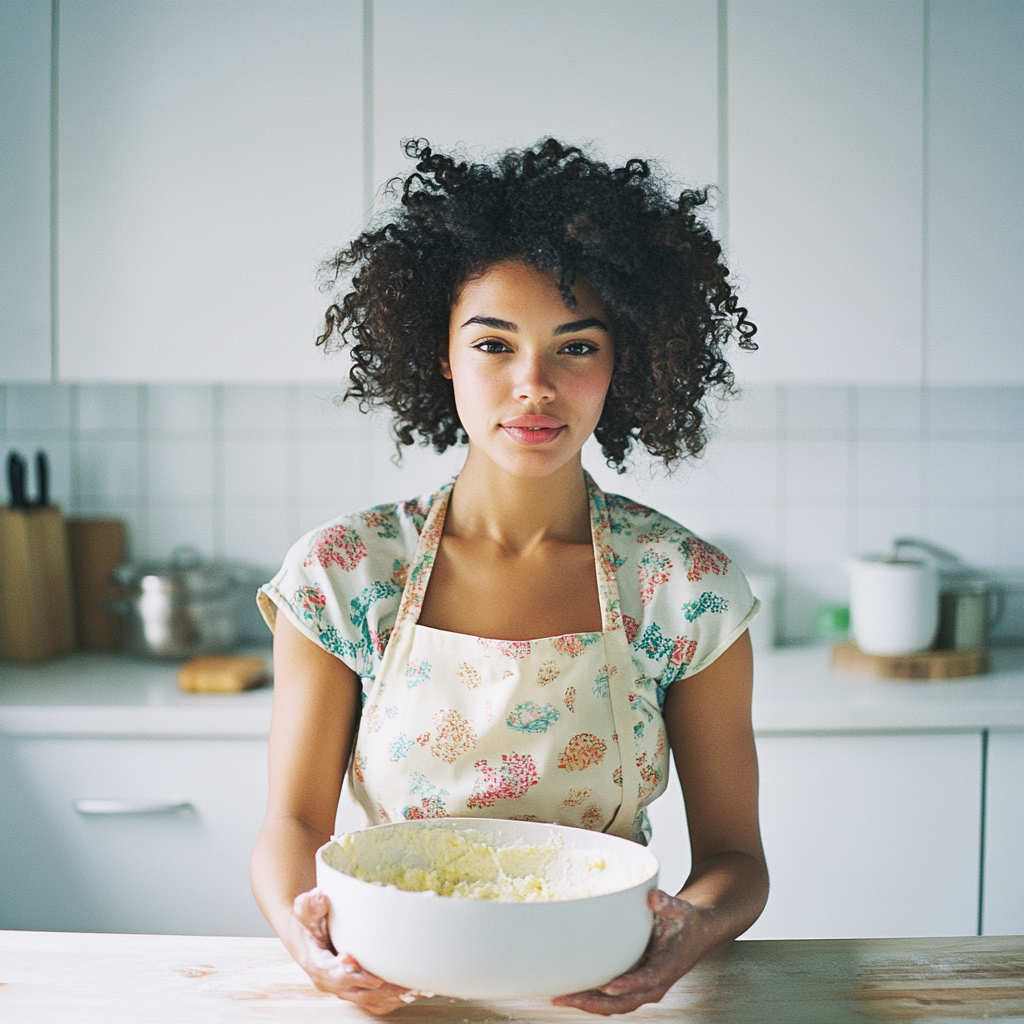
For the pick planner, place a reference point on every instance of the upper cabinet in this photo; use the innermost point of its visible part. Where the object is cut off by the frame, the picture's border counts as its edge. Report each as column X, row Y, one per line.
column 630, row 79
column 825, row 187
column 25, row 30
column 210, row 155
column 974, row 293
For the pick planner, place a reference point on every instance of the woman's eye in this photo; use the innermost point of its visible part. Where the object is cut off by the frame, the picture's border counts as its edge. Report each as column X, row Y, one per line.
column 491, row 345
column 579, row 348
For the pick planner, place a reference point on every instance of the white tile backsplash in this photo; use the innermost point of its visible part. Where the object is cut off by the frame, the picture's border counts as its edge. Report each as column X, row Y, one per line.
column 888, row 412
column 817, row 411
column 178, row 409
column 793, row 478
column 108, row 407
column 961, row 470
column 39, row 407
column 889, row 470
column 258, row 411
column 180, row 469
column 816, row 471
column 108, row 469
column 172, row 525
column 257, row 467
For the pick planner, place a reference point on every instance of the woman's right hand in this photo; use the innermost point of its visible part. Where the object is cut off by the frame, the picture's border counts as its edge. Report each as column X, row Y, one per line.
column 310, row 944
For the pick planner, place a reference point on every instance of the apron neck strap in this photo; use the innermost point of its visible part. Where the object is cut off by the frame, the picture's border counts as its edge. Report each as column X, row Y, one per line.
column 605, row 561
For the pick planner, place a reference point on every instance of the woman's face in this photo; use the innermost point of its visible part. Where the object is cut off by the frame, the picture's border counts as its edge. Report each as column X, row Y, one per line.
column 530, row 375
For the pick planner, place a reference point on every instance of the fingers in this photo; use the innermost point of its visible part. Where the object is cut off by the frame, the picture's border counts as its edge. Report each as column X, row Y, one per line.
column 311, row 907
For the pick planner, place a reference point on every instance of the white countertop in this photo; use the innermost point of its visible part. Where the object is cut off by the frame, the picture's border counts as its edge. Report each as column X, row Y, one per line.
column 795, row 691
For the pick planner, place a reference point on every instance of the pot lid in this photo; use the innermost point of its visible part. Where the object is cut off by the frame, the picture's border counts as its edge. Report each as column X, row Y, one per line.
column 185, row 572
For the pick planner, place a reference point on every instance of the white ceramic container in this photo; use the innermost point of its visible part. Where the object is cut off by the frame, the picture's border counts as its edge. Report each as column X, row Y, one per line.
column 894, row 604
column 485, row 948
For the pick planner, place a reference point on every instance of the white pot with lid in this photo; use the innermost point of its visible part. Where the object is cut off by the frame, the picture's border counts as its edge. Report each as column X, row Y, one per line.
column 894, row 604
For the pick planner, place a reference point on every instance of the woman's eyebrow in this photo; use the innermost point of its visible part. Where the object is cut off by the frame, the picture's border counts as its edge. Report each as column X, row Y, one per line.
column 493, row 322
column 581, row 325
column 506, row 325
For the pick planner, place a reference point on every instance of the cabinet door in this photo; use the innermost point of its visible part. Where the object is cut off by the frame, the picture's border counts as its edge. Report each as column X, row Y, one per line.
column 1003, row 911
column 210, row 156
column 975, row 242
column 825, row 192
column 182, row 871
column 24, row 190
column 634, row 79
column 870, row 835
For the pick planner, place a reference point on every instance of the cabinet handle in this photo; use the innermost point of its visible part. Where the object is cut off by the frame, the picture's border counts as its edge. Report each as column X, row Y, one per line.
column 122, row 807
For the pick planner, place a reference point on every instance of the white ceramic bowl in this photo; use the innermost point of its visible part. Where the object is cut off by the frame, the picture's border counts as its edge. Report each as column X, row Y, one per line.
column 487, row 948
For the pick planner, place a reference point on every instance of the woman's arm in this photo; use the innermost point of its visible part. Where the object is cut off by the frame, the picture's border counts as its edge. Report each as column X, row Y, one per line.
column 712, row 739
column 316, row 711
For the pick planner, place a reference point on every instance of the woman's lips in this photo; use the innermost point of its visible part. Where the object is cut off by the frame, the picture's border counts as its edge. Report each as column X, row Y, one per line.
column 533, row 430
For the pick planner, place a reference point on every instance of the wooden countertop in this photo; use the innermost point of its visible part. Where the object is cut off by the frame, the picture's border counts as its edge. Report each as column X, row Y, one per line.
column 68, row 977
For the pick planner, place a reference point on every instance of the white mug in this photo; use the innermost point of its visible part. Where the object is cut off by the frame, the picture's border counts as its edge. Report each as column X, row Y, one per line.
column 894, row 604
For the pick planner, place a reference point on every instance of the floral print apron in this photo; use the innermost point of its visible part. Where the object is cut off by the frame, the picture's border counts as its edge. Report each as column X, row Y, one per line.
column 540, row 730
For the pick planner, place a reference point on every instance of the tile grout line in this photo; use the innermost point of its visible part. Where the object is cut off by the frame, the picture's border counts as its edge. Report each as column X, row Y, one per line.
column 781, row 454
column 852, row 478
column 217, row 439
column 141, row 542
column 294, row 449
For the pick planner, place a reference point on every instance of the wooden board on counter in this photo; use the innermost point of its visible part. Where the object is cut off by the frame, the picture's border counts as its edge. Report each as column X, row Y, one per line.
column 129, row 978
column 848, row 657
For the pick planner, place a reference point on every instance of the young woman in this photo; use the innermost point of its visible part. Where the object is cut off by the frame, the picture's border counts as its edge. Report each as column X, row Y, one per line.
column 520, row 644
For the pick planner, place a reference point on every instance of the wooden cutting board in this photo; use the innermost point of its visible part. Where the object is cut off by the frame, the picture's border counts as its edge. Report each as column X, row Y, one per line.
column 848, row 657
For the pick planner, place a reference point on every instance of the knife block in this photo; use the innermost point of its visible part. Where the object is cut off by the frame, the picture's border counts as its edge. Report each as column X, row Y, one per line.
column 36, row 611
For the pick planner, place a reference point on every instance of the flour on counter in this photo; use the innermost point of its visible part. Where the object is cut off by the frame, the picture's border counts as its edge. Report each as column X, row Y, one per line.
column 473, row 864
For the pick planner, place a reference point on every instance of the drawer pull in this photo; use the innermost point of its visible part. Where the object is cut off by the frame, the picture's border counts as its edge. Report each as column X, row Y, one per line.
column 123, row 807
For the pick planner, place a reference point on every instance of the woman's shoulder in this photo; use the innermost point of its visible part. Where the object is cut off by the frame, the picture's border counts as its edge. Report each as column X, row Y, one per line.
column 379, row 532
column 638, row 529
column 683, row 600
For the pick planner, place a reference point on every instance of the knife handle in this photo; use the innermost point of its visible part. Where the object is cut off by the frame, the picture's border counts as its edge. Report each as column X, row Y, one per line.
column 16, row 472
column 43, row 477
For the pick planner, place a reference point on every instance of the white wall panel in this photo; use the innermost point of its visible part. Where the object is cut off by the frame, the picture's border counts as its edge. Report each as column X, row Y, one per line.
column 825, row 186
column 636, row 79
column 24, row 190
column 210, row 156
column 975, row 251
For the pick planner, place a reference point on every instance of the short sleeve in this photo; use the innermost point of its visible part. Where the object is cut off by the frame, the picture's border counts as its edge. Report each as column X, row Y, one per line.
column 684, row 602
column 340, row 585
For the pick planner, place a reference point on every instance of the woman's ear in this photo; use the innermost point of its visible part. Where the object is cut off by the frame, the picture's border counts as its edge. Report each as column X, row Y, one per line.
column 446, row 367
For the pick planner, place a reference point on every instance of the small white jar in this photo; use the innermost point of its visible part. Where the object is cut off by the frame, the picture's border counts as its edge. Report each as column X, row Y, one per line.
column 894, row 604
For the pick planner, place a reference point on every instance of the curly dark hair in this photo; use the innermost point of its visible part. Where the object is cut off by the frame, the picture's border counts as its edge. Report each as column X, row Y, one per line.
column 652, row 261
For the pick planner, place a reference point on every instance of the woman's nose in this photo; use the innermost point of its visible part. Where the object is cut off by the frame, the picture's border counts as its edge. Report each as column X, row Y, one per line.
column 535, row 382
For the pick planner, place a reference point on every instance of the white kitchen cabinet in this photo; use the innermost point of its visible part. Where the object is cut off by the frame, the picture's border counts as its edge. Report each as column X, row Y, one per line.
column 178, row 871
column 636, row 79
column 25, row 190
column 825, row 187
column 974, row 312
column 210, row 156
column 1003, row 911
column 871, row 835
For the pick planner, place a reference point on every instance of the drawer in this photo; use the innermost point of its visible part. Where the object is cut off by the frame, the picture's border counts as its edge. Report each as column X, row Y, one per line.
column 130, row 835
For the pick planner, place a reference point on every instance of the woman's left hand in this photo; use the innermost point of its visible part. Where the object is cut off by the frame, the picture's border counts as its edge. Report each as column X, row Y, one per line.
column 678, row 941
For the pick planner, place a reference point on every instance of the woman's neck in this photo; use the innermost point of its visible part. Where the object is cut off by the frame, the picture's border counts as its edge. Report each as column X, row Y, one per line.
column 517, row 512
